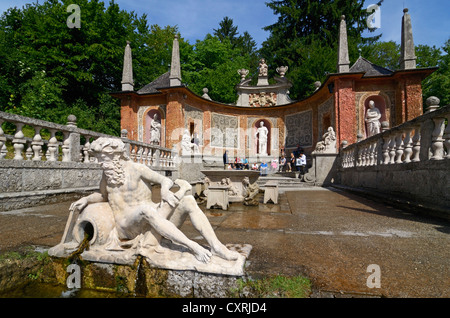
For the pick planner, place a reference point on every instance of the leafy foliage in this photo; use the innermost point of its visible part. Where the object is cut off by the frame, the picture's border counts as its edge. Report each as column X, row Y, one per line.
column 48, row 70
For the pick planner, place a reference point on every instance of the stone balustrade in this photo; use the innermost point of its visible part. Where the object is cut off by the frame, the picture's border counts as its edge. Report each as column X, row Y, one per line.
column 55, row 163
column 408, row 163
column 426, row 137
column 70, row 148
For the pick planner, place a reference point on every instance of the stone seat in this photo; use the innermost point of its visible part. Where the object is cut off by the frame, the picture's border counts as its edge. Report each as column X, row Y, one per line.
column 217, row 196
column 271, row 192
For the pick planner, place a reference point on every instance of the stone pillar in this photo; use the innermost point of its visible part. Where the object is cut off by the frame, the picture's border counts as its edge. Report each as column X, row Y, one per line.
column 73, row 141
column 408, row 55
column 127, row 75
column 175, row 66
column 343, row 64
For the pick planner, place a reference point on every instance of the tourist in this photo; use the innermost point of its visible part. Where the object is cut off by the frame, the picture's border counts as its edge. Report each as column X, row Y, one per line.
column 282, row 164
column 263, row 169
column 255, row 166
column 225, row 160
column 301, row 163
column 246, row 166
column 291, row 163
column 274, row 164
column 237, row 163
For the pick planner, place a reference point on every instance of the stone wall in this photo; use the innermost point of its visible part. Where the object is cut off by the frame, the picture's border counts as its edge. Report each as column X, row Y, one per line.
column 27, row 183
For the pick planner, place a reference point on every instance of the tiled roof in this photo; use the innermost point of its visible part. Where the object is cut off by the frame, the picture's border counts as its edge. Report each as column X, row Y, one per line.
column 160, row 82
column 368, row 68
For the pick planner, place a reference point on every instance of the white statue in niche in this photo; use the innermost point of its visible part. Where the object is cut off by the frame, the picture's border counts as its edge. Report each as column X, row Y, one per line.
column 187, row 146
column 155, row 131
column 262, row 136
column 129, row 223
column 372, row 119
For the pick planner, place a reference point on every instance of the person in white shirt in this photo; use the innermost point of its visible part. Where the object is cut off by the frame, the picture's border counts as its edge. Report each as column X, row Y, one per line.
column 301, row 164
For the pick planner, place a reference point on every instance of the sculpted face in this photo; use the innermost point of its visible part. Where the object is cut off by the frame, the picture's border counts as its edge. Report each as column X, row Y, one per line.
column 109, row 154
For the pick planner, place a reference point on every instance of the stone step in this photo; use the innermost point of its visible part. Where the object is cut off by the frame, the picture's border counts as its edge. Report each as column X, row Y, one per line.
column 284, row 183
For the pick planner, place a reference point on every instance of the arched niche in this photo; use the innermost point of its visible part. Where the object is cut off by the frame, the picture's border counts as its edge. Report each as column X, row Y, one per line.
column 380, row 103
column 256, row 126
column 149, row 117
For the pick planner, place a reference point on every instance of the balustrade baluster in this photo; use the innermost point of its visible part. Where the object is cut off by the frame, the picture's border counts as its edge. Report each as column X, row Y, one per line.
column 66, row 148
column 447, row 138
column 407, row 142
column 133, row 153
column 29, row 152
column 37, row 144
column 416, row 144
column 144, row 156
column 86, row 148
column 372, row 154
column 3, row 150
column 52, row 146
column 392, row 150
column 399, row 147
column 359, row 159
column 19, row 142
column 150, row 156
column 437, row 142
column 385, row 150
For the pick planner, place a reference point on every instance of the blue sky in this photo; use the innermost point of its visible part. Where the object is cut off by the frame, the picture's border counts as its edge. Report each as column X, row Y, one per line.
column 196, row 18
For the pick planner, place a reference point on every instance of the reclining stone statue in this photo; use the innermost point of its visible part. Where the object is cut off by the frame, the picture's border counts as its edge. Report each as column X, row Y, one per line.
column 126, row 222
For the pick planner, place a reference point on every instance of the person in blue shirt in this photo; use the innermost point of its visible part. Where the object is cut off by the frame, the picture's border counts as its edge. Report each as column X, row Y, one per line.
column 263, row 169
column 245, row 163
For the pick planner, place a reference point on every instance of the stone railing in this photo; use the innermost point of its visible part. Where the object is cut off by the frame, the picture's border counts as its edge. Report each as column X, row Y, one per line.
column 70, row 149
column 426, row 137
column 411, row 160
column 56, row 161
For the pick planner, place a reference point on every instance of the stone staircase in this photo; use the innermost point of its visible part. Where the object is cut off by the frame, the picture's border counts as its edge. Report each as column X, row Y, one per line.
column 287, row 181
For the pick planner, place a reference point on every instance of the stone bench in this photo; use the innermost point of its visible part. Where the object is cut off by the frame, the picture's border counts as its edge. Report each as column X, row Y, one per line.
column 271, row 192
column 217, row 196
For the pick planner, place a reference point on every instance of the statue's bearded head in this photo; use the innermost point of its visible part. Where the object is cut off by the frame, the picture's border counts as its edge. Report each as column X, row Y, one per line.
column 110, row 153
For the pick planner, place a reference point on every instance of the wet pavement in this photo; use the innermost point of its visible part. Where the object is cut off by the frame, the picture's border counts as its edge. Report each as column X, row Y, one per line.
column 331, row 236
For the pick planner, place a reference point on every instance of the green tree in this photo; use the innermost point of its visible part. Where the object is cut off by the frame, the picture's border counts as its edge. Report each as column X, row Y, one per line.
column 438, row 83
column 227, row 31
column 213, row 64
column 385, row 54
column 50, row 70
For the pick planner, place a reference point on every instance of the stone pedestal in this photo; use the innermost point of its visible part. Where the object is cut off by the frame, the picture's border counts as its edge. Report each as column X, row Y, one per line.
column 323, row 170
column 236, row 177
column 271, row 192
column 217, row 196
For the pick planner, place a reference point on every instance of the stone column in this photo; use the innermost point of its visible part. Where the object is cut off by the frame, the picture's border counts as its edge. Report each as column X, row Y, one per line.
column 73, row 140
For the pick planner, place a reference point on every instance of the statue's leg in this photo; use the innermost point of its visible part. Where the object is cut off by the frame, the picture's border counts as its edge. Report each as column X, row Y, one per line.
column 167, row 229
column 188, row 206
